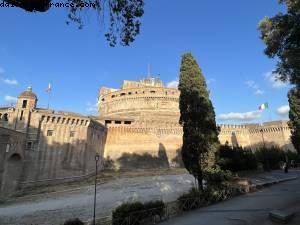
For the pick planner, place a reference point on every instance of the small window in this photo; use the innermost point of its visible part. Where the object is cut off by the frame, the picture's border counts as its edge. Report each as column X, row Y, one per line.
column 24, row 104
column 117, row 122
column 103, row 99
column 127, row 122
column 129, row 93
column 58, row 119
column 29, row 145
column 72, row 134
column 21, row 116
column 152, row 91
column 122, row 94
column 107, row 122
column 49, row 133
column 113, row 96
column 63, row 120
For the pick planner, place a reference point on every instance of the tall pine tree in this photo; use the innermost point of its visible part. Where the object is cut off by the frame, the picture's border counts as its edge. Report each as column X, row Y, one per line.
column 294, row 114
column 197, row 117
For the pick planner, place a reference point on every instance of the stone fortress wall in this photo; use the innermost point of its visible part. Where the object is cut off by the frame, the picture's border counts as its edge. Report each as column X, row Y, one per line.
column 140, row 120
column 143, row 115
column 57, row 146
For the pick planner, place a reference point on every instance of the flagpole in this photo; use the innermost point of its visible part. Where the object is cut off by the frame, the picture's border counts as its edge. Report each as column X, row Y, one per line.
column 49, row 97
column 49, row 90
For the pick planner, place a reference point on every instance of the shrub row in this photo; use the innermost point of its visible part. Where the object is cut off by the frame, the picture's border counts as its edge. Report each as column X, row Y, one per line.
column 238, row 159
column 195, row 199
column 270, row 157
column 135, row 213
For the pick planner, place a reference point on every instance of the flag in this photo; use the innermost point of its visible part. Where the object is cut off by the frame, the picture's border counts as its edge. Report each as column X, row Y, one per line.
column 263, row 106
column 49, row 88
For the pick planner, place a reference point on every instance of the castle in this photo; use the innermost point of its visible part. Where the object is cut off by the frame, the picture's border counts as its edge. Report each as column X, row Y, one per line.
column 143, row 117
column 41, row 146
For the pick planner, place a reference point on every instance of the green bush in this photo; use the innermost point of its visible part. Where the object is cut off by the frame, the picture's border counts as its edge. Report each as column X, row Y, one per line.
column 156, row 207
column 190, row 200
column 74, row 222
column 195, row 199
column 109, row 164
column 270, row 157
column 216, row 176
column 235, row 158
column 134, row 213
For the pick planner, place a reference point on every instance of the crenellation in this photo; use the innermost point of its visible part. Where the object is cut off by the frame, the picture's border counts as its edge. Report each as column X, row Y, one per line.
column 155, row 111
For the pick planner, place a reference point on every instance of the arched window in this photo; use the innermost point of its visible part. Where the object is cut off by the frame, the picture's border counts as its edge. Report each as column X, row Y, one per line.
column 5, row 117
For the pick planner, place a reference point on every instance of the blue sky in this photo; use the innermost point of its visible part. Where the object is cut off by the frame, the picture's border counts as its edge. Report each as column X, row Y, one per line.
column 38, row 48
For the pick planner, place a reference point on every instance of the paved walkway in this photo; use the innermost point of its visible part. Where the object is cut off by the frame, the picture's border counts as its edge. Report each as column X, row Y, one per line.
column 55, row 208
column 249, row 209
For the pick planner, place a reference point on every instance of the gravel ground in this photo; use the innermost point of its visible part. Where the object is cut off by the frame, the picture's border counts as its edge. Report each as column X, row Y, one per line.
column 55, row 208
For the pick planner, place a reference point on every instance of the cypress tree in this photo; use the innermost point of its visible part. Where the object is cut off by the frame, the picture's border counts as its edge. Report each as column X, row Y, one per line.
column 294, row 115
column 197, row 117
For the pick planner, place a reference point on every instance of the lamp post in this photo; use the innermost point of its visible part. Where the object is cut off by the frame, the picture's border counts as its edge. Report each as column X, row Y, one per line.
column 262, row 135
column 97, row 157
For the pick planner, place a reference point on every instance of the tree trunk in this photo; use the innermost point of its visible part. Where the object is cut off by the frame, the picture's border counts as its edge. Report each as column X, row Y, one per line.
column 200, row 181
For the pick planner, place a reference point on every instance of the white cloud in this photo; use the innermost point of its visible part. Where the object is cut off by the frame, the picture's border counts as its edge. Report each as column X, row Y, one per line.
column 257, row 91
column 283, row 110
column 9, row 98
column 211, row 80
column 274, row 81
column 92, row 107
column 246, row 116
column 173, row 84
column 9, row 81
column 2, row 70
column 252, row 84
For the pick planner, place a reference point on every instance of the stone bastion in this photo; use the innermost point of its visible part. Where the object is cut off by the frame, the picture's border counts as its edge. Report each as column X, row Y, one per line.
column 142, row 118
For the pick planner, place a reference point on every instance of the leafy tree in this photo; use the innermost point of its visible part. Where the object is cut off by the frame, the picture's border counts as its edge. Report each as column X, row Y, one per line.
column 197, row 117
column 281, row 34
column 294, row 114
column 123, row 16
